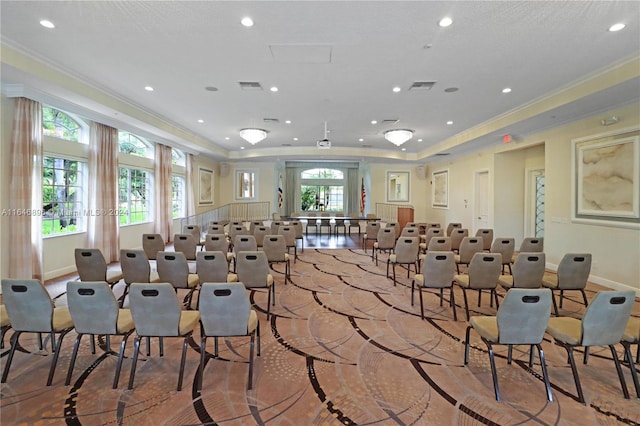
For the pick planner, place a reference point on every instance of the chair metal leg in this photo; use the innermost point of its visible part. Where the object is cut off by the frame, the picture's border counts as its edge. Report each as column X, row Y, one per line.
column 40, row 344
column 632, row 367
column 561, row 298
column 182, row 362
column 388, row 268
column 574, row 370
column 441, row 295
column 466, row 345
column 479, row 297
column 258, row 337
column 494, row 375
column 136, row 349
column 421, row 304
column 509, row 354
column 250, row 381
column 453, row 304
column 413, row 286
column 14, row 344
column 584, row 297
column 545, row 374
column 555, row 306
column 466, row 304
column 623, row 383
column 73, row 359
column 161, row 346
column 216, row 347
column 203, row 347
column 123, row 344
column 148, row 345
column 54, row 361
column 3, row 331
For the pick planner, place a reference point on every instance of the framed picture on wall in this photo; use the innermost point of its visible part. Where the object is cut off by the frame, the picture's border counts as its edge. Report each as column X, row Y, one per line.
column 440, row 189
column 205, row 187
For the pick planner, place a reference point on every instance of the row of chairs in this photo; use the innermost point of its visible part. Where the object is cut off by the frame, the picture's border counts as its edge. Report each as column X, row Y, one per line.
column 224, row 310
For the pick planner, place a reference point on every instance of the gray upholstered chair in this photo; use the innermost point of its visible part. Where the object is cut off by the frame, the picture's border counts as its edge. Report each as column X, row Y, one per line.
column 275, row 225
column 173, row 268
column 410, row 231
column 506, row 247
column 438, row 270
column 603, row 324
column 218, row 242
column 484, row 271
column 339, row 223
column 429, row 235
column 354, row 222
column 253, row 272
column 212, row 267
column 5, row 324
column 297, row 226
column 289, row 234
column 395, row 226
column 156, row 312
column 529, row 245
column 457, row 235
column 312, row 222
column 631, row 336
column 451, row 226
column 439, row 244
column 152, row 244
column 370, row 234
column 528, row 271
column 253, row 225
column 243, row 243
column 215, row 229
column 468, row 247
column 325, row 222
column 185, row 244
column 235, row 230
column 521, row 320
column 31, row 310
column 195, row 231
column 225, row 311
column 573, row 273
column 95, row 311
column 92, row 266
column 386, row 241
column 135, row 269
column 275, row 247
column 487, row 236
column 404, row 253
column 259, row 232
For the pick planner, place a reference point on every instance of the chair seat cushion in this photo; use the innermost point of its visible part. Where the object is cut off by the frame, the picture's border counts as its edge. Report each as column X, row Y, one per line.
column 632, row 331
column 422, row 246
column 457, row 258
column 4, row 317
column 193, row 281
column 462, row 280
column 61, row 319
column 487, row 327
column 125, row 321
column 506, row 281
column 154, row 277
column 392, row 258
column 114, row 276
column 565, row 329
column 229, row 256
column 232, row 278
column 253, row 321
column 188, row 321
column 419, row 279
column 550, row 282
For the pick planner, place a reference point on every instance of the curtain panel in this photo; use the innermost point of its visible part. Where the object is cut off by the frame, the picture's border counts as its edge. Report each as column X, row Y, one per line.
column 190, row 195
column 103, row 230
column 162, row 188
column 25, row 192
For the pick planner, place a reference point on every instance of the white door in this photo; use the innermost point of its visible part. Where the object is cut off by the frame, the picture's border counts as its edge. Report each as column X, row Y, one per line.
column 481, row 197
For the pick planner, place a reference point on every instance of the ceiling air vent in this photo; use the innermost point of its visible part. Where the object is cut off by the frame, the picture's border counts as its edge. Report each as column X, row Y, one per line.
column 270, row 120
column 390, row 121
column 442, row 153
column 422, row 85
column 249, row 85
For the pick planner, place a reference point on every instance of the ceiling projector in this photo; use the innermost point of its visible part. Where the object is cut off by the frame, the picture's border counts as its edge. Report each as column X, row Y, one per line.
column 324, row 144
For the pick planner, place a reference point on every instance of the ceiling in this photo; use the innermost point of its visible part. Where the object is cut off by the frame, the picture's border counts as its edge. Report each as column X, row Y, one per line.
column 333, row 62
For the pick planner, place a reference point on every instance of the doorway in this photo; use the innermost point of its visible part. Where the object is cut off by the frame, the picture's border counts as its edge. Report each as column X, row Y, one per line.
column 535, row 203
column 481, row 200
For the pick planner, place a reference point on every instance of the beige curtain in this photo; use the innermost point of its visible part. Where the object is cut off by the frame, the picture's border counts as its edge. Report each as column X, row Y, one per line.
column 25, row 192
column 190, row 193
column 103, row 231
column 163, row 207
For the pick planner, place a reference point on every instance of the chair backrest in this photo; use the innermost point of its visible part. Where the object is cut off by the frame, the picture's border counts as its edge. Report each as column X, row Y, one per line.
column 457, row 235
column 438, row 269
column 93, row 307
column 28, row 305
column 371, row 216
column 523, row 316
column 155, row 309
column 236, row 223
column 487, row 236
column 216, row 242
column 439, row 244
column 573, row 271
column 297, row 226
column 451, row 226
column 253, row 224
column 386, row 238
column 275, row 225
column 470, row 246
column 259, row 232
column 173, row 268
column 532, row 245
column 212, row 266
column 504, row 246
column 433, row 232
column 215, row 229
column 90, row 264
column 485, row 270
column 410, row 231
column 186, row 244
column 407, row 249
column 433, row 225
column 528, row 270
column 237, row 230
column 289, row 234
column 135, row 266
column 372, row 230
column 395, row 226
column 339, row 219
column 193, row 230
column 224, row 309
column 275, row 247
column 275, row 216
column 244, row 243
column 252, row 268
column 606, row 317
column 353, row 222
column 152, row 244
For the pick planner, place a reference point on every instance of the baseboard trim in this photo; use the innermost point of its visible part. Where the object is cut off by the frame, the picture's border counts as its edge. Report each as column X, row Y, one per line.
column 613, row 285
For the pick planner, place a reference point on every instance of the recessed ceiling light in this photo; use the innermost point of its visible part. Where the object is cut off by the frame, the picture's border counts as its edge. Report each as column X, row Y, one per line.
column 449, row 122
column 242, row 147
column 274, row 89
column 374, row 121
column 295, row 139
column 445, row 22
column 201, row 121
column 404, row 149
column 47, row 24
column 616, row 27
column 148, row 88
column 247, row 22
column 419, row 140
column 287, row 121
column 226, row 138
column 396, row 89
column 360, row 140
column 506, row 90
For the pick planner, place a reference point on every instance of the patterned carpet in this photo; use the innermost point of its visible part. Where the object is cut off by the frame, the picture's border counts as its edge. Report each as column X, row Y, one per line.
column 343, row 346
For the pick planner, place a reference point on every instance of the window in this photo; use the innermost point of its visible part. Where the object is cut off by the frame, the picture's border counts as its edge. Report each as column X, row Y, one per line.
column 322, row 190
column 134, row 189
column 246, row 184
column 62, row 196
column 177, row 195
column 132, row 144
column 178, row 158
column 58, row 124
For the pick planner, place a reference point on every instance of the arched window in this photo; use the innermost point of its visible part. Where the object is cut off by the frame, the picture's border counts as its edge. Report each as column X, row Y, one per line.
column 134, row 145
column 322, row 190
column 178, row 158
column 57, row 124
